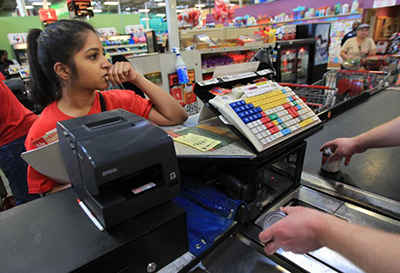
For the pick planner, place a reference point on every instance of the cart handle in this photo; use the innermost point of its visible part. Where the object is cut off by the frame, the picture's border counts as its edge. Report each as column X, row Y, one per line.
column 362, row 71
column 305, row 85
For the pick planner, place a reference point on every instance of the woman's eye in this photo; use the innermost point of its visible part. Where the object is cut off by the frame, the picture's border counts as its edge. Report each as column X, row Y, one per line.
column 93, row 56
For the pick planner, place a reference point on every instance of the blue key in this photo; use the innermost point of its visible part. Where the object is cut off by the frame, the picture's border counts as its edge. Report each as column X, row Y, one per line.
column 237, row 110
column 251, row 112
column 251, row 106
column 241, row 115
column 242, row 108
column 279, row 120
column 259, row 115
column 246, row 113
column 247, row 107
column 286, row 131
column 283, row 91
column 241, row 102
column 299, row 107
column 233, row 104
column 291, row 99
column 250, row 118
column 255, row 117
column 246, row 120
column 257, row 110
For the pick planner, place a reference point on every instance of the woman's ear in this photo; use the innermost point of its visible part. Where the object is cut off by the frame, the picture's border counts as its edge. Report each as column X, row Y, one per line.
column 62, row 70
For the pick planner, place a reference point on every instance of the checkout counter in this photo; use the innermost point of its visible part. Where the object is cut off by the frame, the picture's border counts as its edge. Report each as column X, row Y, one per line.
column 64, row 239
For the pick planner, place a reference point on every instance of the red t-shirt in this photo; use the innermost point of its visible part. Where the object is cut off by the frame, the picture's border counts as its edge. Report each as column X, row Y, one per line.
column 15, row 119
column 114, row 99
column 2, row 77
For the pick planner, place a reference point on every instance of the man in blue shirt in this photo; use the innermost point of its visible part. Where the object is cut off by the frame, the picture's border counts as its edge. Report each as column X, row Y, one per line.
column 351, row 34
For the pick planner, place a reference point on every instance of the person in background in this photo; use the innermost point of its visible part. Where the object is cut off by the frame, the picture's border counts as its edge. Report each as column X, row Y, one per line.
column 357, row 48
column 352, row 33
column 304, row 230
column 67, row 68
column 4, row 62
column 15, row 121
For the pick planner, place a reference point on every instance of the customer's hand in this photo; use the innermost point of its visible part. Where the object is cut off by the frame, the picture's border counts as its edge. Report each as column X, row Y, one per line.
column 298, row 232
column 345, row 147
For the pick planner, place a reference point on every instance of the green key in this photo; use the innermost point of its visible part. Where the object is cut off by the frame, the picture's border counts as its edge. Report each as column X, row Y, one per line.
column 273, row 116
column 295, row 103
column 283, row 125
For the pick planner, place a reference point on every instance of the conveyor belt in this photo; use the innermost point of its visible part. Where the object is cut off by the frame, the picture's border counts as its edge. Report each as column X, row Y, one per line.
column 377, row 170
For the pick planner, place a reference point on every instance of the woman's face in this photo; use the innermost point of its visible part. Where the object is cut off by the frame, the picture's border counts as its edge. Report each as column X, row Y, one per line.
column 91, row 65
column 362, row 33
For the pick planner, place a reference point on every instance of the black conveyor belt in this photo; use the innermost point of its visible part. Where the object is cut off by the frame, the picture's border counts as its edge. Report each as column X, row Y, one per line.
column 376, row 170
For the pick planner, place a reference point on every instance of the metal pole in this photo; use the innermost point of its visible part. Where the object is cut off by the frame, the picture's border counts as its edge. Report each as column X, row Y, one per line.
column 147, row 16
column 45, row 5
column 172, row 20
column 22, row 8
column 119, row 7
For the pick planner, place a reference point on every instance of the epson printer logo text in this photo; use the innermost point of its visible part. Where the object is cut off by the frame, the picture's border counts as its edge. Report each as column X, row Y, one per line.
column 110, row 171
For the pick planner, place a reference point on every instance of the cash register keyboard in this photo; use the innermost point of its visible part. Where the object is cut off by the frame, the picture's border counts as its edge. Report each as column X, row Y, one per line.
column 265, row 113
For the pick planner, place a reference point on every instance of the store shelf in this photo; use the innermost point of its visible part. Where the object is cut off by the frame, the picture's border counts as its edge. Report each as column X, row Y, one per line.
column 208, row 70
column 234, row 48
column 124, row 46
column 128, row 52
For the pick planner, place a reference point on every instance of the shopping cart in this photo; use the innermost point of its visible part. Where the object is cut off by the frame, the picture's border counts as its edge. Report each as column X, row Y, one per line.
column 317, row 97
column 350, row 83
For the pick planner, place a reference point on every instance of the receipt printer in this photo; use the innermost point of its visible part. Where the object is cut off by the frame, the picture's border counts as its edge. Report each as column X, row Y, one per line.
column 120, row 164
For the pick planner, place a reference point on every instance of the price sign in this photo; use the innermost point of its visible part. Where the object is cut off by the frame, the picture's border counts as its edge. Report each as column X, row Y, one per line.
column 47, row 15
column 80, row 8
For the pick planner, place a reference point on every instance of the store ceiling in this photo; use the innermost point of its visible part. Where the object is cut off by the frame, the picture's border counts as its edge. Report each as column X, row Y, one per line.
column 9, row 6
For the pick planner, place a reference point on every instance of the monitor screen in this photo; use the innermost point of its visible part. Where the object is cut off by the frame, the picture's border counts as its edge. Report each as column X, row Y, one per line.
column 151, row 40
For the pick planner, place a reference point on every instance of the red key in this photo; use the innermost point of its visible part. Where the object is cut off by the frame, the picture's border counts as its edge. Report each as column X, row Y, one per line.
column 263, row 114
column 286, row 105
column 269, row 124
column 294, row 108
column 274, row 130
column 264, row 120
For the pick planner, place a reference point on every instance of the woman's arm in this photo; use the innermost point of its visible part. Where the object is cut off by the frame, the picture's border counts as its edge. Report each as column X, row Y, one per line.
column 343, row 55
column 166, row 110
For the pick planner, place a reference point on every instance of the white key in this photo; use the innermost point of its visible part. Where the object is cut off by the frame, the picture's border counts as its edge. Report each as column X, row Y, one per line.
column 269, row 112
column 298, row 126
column 296, row 120
column 250, row 125
column 259, row 122
column 263, row 142
column 278, row 135
column 272, row 137
column 275, row 110
column 293, row 128
column 268, row 139
column 268, row 133
column 280, row 114
column 254, row 131
column 280, row 108
column 280, row 127
column 301, row 118
column 291, row 104
column 259, row 136
column 260, row 129
column 286, row 112
column 264, row 134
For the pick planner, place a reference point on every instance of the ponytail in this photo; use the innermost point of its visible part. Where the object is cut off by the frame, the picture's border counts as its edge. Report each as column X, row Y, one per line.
column 43, row 91
column 57, row 43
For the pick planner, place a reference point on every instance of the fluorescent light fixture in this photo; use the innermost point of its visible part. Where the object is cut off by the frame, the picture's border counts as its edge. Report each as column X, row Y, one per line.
column 179, row 10
column 162, row 4
column 97, row 10
column 160, row 14
column 200, row 5
column 144, row 10
column 232, row 5
column 127, row 9
column 111, row 3
column 29, row 7
column 40, row 3
column 145, row 19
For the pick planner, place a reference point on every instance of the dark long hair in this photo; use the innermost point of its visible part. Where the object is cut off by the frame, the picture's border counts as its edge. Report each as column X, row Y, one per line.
column 57, row 43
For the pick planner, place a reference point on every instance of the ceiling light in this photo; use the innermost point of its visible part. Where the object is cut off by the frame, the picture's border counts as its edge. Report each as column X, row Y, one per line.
column 111, row 3
column 162, row 4
column 29, row 7
column 160, row 14
column 144, row 10
column 179, row 10
column 145, row 19
column 40, row 3
column 200, row 5
column 97, row 10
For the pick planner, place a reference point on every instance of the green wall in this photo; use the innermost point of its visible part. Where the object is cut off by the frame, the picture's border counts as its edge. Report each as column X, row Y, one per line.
column 23, row 24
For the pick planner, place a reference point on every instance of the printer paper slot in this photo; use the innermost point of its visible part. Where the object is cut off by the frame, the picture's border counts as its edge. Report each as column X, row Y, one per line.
column 104, row 122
